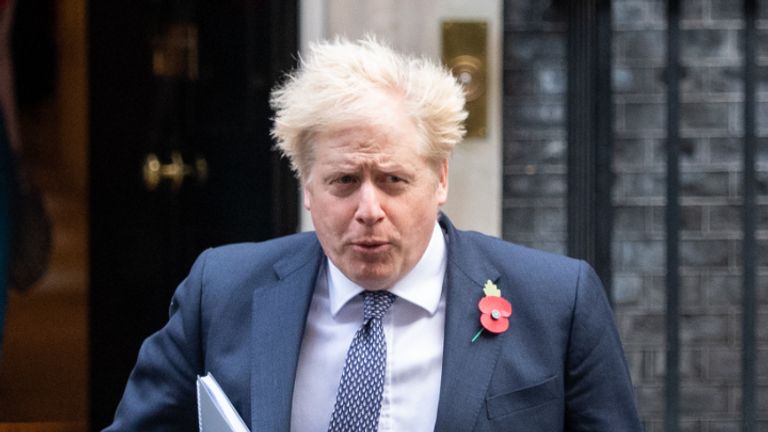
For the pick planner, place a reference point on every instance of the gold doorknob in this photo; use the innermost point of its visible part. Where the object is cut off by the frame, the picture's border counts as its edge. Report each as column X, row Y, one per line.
column 175, row 172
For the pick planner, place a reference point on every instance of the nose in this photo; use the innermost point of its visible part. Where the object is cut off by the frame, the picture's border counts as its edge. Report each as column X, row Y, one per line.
column 369, row 211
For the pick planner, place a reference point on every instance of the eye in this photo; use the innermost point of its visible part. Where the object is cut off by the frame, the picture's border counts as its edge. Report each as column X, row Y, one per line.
column 345, row 179
column 394, row 179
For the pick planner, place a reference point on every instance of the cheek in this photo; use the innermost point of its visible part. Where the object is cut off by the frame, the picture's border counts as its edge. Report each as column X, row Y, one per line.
column 329, row 214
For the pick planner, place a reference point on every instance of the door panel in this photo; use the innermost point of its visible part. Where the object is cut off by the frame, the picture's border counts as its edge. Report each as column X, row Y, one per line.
column 143, row 241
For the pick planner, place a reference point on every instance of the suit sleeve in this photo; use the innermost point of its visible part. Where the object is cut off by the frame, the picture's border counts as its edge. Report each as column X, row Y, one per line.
column 161, row 393
column 599, row 393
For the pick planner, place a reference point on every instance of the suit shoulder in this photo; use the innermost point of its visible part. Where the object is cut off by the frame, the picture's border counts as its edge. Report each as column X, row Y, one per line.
column 505, row 254
column 276, row 246
column 293, row 250
column 544, row 278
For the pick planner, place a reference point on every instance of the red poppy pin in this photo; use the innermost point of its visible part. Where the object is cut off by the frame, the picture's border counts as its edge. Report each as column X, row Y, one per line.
column 495, row 311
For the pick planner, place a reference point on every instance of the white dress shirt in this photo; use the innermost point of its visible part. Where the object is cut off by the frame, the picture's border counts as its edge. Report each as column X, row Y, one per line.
column 413, row 328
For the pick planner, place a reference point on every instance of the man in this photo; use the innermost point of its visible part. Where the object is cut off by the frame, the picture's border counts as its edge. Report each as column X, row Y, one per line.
column 374, row 320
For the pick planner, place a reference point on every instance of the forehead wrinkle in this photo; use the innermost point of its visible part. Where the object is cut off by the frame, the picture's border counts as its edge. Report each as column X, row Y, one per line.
column 358, row 141
column 377, row 161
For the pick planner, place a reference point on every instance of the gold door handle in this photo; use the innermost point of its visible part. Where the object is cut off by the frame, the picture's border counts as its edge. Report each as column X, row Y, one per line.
column 175, row 172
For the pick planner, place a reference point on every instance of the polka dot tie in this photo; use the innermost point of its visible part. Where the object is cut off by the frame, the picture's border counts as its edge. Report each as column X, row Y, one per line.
column 358, row 400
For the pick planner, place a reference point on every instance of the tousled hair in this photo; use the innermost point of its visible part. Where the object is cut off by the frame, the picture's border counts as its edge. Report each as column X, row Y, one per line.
column 330, row 88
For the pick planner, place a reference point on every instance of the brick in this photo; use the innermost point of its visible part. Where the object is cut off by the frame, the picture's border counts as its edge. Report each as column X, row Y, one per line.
column 708, row 44
column 762, row 150
column 634, row 359
column 647, row 45
column 761, row 183
column 694, row 80
column 727, row 9
column 704, row 253
column 631, row 151
column 627, row 289
column 724, row 290
column 762, row 79
column 762, row 43
column 643, row 328
column 629, row 219
column 629, row 13
column 655, row 293
column 550, row 220
column 724, row 426
column 702, row 79
column 691, row 366
column 761, row 186
column 534, row 115
column 693, row 10
column 518, row 220
column 725, row 218
column 535, row 152
column 762, row 251
column 545, row 80
column 703, row 328
column 762, row 118
column 724, row 363
column 641, row 255
column 692, row 292
column 535, row 185
column 691, row 423
column 640, row 184
column 700, row 184
column 658, row 219
column 531, row 13
column 644, row 117
column 691, row 218
column 693, row 150
column 699, row 399
column 705, row 116
column 527, row 49
column 762, row 400
column 637, row 80
column 652, row 423
column 725, row 79
column 726, row 150
column 650, row 399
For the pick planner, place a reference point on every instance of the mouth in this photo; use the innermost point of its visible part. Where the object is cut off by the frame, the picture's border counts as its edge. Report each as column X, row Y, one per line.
column 370, row 246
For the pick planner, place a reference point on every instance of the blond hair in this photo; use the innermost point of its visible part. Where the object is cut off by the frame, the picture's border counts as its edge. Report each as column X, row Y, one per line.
column 331, row 87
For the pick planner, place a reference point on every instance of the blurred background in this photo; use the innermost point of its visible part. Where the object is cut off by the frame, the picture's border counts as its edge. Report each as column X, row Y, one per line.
column 631, row 133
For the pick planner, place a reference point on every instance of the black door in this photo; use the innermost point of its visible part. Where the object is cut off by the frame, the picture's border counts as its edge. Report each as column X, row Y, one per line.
column 180, row 157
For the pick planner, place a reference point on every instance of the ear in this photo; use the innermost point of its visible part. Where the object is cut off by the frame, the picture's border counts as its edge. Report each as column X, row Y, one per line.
column 442, row 183
column 307, row 197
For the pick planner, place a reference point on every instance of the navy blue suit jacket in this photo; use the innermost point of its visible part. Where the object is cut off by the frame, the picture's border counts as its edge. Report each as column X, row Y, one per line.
column 241, row 312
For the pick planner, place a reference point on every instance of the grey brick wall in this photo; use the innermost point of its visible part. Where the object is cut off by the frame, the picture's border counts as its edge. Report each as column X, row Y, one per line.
column 711, row 175
column 534, row 125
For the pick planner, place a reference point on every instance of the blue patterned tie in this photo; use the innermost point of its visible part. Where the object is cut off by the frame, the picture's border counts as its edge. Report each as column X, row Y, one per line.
column 358, row 400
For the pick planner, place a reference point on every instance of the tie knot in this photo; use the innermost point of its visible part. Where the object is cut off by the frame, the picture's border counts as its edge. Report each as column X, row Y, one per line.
column 376, row 304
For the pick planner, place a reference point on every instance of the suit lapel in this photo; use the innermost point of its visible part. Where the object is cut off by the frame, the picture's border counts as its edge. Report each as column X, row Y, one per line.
column 467, row 365
column 278, row 317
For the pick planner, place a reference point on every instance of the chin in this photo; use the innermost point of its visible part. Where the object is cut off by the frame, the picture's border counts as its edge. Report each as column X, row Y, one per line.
column 374, row 281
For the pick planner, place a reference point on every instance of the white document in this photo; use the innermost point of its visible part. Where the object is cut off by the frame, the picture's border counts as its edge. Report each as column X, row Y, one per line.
column 215, row 412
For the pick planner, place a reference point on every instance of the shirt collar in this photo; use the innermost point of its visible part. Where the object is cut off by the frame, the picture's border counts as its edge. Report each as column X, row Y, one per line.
column 422, row 286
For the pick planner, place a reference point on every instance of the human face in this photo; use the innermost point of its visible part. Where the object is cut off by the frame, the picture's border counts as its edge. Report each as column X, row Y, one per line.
column 374, row 200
